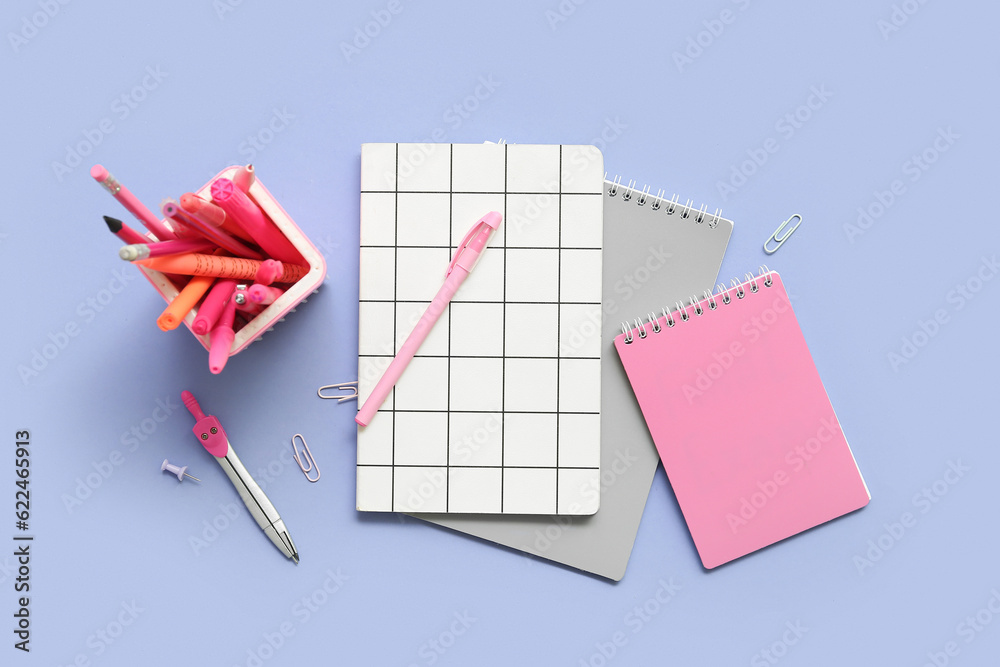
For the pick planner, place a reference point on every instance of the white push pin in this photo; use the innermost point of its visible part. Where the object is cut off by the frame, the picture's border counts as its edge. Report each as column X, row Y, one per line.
column 177, row 470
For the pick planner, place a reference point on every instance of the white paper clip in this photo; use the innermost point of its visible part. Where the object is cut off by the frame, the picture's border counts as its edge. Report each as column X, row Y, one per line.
column 774, row 237
column 350, row 387
column 307, row 456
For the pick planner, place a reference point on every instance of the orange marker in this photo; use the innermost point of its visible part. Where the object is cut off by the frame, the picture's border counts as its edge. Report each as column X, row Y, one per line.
column 184, row 302
column 194, row 264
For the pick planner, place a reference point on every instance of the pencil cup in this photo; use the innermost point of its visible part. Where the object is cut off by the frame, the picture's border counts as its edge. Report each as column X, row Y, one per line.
column 276, row 311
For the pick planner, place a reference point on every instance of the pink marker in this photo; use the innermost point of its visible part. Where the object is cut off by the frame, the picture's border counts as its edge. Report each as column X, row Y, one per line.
column 468, row 254
column 268, row 271
column 263, row 294
column 136, row 251
column 244, row 178
column 247, row 215
column 213, row 305
column 172, row 210
column 130, row 202
column 220, row 341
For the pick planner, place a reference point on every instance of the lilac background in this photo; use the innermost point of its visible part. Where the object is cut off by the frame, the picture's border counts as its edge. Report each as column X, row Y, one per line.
column 607, row 68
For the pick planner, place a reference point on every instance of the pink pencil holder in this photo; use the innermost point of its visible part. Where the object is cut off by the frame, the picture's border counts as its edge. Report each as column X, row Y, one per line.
column 287, row 302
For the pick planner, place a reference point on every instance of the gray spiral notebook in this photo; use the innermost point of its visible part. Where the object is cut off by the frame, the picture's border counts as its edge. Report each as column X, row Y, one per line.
column 656, row 251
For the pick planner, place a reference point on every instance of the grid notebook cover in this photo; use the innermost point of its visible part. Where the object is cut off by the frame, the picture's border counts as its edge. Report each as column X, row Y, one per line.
column 497, row 413
column 654, row 249
column 744, row 427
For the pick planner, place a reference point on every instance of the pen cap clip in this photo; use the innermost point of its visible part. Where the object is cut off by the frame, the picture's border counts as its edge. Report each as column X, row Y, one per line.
column 490, row 221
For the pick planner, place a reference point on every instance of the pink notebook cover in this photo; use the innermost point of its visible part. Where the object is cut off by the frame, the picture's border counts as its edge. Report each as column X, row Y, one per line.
column 742, row 422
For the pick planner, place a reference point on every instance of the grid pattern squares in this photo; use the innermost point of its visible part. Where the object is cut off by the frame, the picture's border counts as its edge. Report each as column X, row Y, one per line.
column 499, row 411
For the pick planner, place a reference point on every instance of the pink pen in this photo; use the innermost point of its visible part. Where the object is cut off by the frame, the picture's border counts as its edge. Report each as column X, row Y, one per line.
column 213, row 305
column 468, row 254
column 221, row 339
column 212, row 215
column 263, row 294
column 130, row 202
column 247, row 215
column 172, row 210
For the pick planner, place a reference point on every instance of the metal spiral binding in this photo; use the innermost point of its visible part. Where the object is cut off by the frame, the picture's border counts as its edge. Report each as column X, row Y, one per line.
column 672, row 206
column 723, row 296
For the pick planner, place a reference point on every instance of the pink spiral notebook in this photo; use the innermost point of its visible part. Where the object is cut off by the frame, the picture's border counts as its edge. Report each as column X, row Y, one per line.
column 740, row 417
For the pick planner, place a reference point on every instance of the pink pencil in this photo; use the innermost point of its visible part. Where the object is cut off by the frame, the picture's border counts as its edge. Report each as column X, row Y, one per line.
column 123, row 231
column 247, row 215
column 136, row 251
column 130, row 202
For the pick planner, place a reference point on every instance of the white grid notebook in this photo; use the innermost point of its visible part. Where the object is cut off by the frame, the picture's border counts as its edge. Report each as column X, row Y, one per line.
column 499, row 412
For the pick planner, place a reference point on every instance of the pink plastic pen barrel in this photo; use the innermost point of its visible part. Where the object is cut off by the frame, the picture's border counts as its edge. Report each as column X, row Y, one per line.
column 213, row 305
column 212, row 215
column 131, row 203
column 220, row 238
column 248, row 215
column 221, row 339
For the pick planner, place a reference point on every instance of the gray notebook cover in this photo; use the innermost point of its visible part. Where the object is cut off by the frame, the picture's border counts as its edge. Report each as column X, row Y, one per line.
column 656, row 251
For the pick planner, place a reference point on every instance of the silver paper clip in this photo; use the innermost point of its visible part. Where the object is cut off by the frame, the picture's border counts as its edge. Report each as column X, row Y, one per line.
column 351, row 387
column 307, row 456
column 774, row 237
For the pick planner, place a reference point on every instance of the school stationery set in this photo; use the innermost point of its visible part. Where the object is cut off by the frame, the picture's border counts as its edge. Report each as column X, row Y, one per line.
column 533, row 340
column 586, row 346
